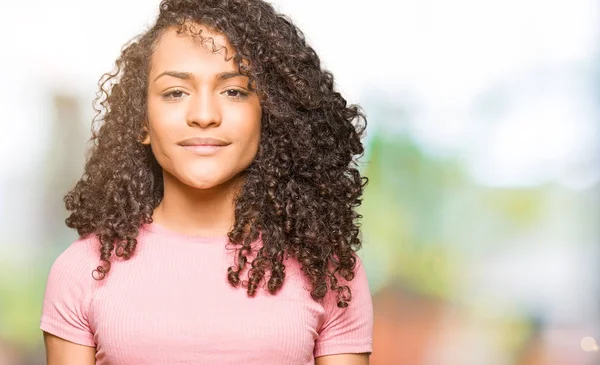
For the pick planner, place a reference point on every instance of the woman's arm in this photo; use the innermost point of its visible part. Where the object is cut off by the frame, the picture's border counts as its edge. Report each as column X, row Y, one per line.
column 63, row 352
column 343, row 359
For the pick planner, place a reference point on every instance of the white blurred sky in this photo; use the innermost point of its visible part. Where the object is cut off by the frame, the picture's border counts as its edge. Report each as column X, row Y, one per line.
column 441, row 55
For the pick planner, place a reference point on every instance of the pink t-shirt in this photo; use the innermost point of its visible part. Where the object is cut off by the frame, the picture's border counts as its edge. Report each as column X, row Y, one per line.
column 171, row 303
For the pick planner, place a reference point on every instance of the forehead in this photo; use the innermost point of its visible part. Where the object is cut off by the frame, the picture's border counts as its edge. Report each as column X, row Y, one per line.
column 187, row 50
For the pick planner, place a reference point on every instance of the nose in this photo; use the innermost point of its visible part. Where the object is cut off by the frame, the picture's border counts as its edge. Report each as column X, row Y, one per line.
column 204, row 110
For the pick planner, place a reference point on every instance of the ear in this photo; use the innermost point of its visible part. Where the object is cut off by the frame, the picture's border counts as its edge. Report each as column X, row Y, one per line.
column 145, row 136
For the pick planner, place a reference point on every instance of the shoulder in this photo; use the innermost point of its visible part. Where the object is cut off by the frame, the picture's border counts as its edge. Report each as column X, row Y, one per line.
column 74, row 266
column 359, row 285
column 79, row 256
column 69, row 290
column 359, row 288
column 349, row 329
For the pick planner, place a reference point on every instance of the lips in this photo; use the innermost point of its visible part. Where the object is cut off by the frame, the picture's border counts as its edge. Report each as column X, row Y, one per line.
column 203, row 146
column 200, row 142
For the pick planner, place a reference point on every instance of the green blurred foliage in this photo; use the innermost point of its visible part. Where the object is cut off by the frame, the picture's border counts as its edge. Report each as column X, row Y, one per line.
column 22, row 292
column 403, row 214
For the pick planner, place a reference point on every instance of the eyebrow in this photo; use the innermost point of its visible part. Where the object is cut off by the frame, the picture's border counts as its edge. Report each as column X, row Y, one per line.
column 189, row 76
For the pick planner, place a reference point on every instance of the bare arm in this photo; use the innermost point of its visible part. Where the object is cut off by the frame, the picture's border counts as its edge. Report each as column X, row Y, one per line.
column 63, row 352
column 343, row 359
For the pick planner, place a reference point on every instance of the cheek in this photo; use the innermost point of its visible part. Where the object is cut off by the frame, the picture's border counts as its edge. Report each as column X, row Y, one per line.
column 163, row 121
column 162, row 138
column 243, row 125
column 252, row 126
column 252, row 133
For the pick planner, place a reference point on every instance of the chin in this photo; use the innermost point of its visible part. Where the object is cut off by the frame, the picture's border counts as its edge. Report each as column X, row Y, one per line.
column 206, row 182
column 206, row 177
column 202, row 184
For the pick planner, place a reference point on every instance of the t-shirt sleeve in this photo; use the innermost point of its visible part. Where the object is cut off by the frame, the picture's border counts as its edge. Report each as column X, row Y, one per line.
column 68, row 295
column 348, row 330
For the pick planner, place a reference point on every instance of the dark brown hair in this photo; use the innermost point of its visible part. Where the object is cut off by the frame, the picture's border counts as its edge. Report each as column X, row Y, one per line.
column 301, row 191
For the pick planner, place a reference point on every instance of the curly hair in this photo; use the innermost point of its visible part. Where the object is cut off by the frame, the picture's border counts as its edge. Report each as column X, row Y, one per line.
column 299, row 194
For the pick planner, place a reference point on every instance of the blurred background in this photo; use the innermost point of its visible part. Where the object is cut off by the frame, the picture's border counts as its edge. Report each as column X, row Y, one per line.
column 481, row 219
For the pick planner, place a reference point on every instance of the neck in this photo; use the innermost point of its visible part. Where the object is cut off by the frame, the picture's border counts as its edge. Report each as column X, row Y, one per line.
column 198, row 212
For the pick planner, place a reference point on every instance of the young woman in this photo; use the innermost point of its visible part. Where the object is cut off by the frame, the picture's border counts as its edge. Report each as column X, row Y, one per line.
column 217, row 208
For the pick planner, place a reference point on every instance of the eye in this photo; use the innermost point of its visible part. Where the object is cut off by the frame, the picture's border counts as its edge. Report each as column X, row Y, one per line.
column 174, row 94
column 236, row 93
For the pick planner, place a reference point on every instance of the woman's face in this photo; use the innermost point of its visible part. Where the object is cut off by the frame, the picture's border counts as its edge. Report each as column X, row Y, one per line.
column 203, row 120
